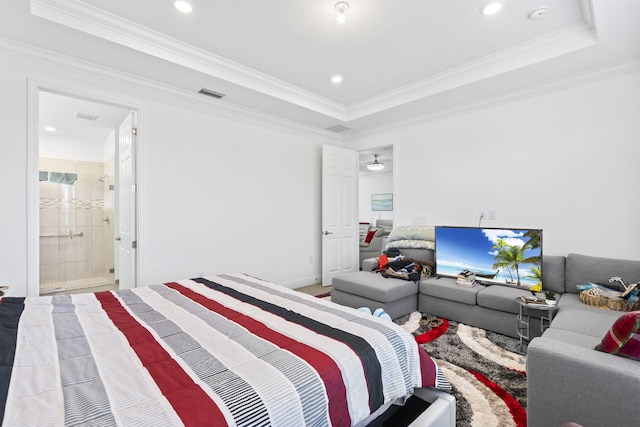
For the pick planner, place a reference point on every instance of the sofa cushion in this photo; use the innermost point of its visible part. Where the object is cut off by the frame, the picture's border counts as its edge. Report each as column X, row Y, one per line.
column 582, row 269
column 569, row 301
column 374, row 286
column 623, row 338
column 502, row 298
column 586, row 322
column 446, row 288
column 418, row 254
column 370, row 264
column 553, row 273
column 570, row 337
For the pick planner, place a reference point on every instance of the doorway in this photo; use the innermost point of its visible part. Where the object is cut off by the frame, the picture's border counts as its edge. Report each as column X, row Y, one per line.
column 78, row 193
column 375, row 200
column 376, row 182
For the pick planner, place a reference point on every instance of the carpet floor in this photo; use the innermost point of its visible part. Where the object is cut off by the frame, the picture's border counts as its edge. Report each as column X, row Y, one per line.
column 484, row 368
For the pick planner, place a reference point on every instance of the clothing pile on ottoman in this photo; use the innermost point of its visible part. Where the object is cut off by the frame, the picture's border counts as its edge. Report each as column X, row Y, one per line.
column 396, row 296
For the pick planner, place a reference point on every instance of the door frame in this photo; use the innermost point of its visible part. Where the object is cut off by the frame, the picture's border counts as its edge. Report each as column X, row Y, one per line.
column 33, row 158
column 123, row 198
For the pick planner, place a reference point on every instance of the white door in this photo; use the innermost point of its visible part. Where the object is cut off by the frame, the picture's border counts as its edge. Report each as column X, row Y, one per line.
column 339, row 212
column 126, row 227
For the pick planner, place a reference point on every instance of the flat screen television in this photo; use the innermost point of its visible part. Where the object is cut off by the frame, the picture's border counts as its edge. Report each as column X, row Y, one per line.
column 496, row 255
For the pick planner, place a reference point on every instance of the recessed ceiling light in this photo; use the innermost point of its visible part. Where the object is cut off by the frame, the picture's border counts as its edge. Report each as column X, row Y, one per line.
column 50, row 129
column 183, row 6
column 491, row 7
column 538, row 13
column 336, row 79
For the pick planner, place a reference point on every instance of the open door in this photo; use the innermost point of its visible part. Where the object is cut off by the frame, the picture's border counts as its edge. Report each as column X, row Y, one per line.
column 339, row 212
column 126, row 227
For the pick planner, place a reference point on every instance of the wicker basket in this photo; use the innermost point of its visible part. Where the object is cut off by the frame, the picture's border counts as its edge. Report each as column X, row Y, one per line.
column 596, row 298
column 622, row 305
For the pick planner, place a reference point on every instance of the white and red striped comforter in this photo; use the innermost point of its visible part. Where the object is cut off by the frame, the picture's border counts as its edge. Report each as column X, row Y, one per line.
column 228, row 350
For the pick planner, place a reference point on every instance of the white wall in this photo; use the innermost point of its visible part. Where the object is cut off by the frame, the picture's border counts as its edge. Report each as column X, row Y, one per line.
column 223, row 196
column 217, row 194
column 13, row 175
column 109, row 146
column 566, row 162
column 373, row 183
column 58, row 147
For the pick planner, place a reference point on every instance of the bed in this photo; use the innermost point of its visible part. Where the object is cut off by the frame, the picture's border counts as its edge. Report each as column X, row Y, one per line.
column 225, row 350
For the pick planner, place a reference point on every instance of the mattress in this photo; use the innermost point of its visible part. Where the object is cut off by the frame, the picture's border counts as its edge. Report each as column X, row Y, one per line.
column 225, row 350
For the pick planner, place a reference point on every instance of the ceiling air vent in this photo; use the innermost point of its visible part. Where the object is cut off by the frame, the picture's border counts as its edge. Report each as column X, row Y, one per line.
column 338, row 128
column 85, row 116
column 212, row 93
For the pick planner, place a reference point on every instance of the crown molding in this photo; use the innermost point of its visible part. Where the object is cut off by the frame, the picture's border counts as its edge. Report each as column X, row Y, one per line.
column 126, row 81
column 97, row 22
column 560, row 42
column 92, row 20
column 559, row 84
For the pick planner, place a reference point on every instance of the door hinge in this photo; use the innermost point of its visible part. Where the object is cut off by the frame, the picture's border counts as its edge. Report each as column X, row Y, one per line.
column 134, row 131
column 134, row 244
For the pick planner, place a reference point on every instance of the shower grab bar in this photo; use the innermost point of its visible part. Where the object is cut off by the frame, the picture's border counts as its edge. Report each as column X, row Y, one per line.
column 80, row 234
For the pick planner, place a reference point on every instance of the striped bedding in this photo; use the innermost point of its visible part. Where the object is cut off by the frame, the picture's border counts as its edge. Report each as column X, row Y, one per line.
column 227, row 350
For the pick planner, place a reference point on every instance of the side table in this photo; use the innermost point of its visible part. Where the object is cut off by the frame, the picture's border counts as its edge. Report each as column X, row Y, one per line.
column 524, row 318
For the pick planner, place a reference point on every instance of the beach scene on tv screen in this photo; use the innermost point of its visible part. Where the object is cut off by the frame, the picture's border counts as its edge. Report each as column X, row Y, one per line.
column 509, row 256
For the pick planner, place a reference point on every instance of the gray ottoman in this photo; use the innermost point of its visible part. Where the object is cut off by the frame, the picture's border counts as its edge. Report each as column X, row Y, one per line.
column 366, row 289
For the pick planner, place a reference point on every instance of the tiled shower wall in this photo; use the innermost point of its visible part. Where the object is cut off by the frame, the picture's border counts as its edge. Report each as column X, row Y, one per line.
column 85, row 207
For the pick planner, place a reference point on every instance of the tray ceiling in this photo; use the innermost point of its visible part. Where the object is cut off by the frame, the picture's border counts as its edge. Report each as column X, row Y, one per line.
column 399, row 58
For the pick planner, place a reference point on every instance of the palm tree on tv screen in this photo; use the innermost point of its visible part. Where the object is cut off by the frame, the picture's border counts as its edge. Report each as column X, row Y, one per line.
column 536, row 274
column 499, row 246
column 514, row 256
column 534, row 242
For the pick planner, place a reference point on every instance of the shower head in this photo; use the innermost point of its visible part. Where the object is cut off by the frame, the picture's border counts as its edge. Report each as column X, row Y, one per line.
column 103, row 178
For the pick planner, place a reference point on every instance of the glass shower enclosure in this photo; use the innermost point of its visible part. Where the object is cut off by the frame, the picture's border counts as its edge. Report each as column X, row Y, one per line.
column 76, row 224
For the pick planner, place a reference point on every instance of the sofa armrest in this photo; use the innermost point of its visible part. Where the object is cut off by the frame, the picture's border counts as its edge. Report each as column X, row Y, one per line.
column 370, row 264
column 568, row 382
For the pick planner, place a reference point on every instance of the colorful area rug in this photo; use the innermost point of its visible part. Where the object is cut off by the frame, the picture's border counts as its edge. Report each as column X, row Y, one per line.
column 484, row 369
column 326, row 295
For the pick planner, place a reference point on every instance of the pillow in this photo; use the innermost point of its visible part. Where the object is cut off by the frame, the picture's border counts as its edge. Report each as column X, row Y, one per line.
column 412, row 232
column 370, row 235
column 411, row 244
column 623, row 338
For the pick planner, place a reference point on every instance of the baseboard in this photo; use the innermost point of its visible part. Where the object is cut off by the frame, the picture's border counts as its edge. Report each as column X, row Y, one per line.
column 299, row 283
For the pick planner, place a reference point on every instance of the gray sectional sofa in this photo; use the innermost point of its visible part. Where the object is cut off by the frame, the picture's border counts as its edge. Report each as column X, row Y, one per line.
column 567, row 379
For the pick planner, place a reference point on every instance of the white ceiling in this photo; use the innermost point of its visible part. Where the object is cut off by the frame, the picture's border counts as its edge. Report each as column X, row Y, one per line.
column 400, row 59
column 69, row 116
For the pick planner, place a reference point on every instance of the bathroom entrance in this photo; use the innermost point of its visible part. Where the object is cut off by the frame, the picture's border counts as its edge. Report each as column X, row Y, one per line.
column 78, row 193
